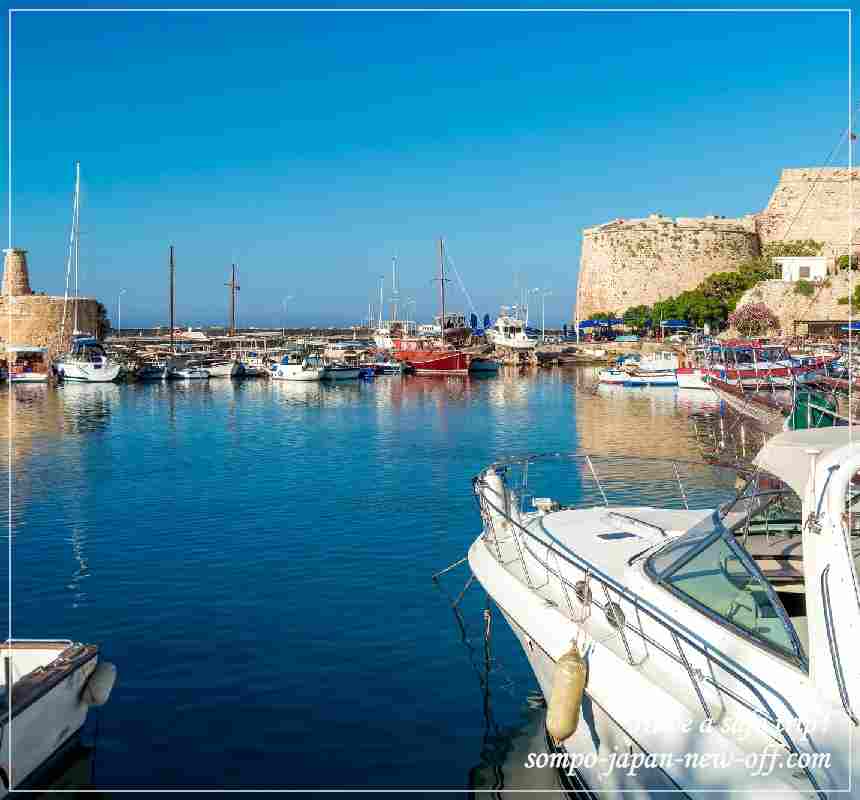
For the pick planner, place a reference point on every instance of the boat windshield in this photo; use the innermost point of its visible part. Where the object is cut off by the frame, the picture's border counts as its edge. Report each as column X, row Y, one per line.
column 742, row 566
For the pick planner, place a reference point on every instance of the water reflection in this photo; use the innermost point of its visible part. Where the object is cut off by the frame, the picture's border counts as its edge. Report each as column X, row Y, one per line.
column 72, row 775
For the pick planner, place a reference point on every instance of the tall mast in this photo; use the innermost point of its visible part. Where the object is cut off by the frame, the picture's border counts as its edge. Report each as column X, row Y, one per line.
column 77, row 230
column 394, row 291
column 234, row 287
column 381, row 301
column 442, row 288
column 172, row 301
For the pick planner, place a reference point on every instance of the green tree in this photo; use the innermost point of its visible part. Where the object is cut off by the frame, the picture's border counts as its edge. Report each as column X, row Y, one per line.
column 637, row 317
column 845, row 262
column 804, row 287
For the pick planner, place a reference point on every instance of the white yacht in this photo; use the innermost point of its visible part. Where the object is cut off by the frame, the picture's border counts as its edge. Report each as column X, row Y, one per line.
column 53, row 685
column 297, row 367
column 510, row 331
column 707, row 649
column 87, row 362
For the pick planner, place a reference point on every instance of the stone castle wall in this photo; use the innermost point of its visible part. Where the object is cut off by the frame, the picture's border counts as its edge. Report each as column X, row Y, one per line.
column 37, row 320
column 813, row 203
column 640, row 261
column 634, row 262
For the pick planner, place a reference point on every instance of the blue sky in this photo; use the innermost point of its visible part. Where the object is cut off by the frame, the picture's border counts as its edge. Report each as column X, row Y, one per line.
column 310, row 148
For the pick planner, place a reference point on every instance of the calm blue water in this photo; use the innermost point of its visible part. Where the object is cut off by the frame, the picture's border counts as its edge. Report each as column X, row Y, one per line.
column 256, row 558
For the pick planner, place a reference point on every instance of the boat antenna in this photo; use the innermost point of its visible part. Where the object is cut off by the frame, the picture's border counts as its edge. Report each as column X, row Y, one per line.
column 172, row 300
column 77, row 234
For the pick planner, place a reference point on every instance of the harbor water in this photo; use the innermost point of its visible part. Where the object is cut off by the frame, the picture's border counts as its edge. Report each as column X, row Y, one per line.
column 256, row 559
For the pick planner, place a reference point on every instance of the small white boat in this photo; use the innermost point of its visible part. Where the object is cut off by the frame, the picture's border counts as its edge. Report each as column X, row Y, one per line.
column 53, row 686
column 87, row 362
column 225, row 369
column 27, row 363
column 335, row 371
column 296, row 367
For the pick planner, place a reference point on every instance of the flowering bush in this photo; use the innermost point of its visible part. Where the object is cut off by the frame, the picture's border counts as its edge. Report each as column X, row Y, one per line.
column 753, row 319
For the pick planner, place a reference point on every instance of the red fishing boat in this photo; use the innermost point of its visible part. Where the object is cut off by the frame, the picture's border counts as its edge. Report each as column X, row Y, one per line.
column 431, row 355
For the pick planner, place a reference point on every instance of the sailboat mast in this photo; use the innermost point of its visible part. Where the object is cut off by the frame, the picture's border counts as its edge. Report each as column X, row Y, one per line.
column 172, row 300
column 234, row 287
column 77, row 230
column 394, row 289
column 381, row 301
column 442, row 289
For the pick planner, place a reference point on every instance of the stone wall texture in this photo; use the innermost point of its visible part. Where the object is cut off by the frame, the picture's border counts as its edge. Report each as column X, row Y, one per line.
column 813, row 203
column 640, row 261
column 627, row 263
column 16, row 276
column 791, row 307
column 38, row 320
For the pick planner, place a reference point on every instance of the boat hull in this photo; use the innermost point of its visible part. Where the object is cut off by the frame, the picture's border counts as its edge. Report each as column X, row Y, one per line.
column 88, row 373
column 689, row 378
column 484, row 365
column 231, row 370
column 294, row 372
column 341, row 373
column 436, row 362
column 28, row 377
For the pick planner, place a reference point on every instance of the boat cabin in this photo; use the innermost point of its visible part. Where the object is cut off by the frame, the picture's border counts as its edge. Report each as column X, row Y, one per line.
column 27, row 363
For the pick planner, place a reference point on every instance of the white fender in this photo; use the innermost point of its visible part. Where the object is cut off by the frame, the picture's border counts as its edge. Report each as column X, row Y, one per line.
column 568, row 685
column 97, row 689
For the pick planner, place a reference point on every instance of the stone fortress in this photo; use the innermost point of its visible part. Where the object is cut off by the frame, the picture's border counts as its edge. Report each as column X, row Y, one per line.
column 37, row 319
column 635, row 262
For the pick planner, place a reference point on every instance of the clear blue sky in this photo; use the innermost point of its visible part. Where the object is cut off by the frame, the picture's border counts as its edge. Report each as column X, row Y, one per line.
column 310, row 147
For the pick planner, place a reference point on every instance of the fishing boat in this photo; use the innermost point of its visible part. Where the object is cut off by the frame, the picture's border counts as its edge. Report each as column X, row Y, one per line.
column 86, row 360
column 705, row 641
column 432, row 355
column 50, row 686
column 755, row 364
column 27, row 363
column 224, row 369
column 298, row 367
column 384, row 366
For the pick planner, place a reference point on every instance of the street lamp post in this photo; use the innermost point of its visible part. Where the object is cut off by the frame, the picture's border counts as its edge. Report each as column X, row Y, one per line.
column 119, row 312
column 544, row 293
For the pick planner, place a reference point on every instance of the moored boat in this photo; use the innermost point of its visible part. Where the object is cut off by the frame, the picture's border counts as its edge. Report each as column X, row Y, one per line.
column 50, row 686
column 334, row 371
column 298, row 367
column 87, row 362
column 720, row 622
column 27, row 363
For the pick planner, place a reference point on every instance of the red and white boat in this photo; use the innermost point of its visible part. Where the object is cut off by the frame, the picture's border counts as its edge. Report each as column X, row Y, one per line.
column 747, row 363
column 433, row 355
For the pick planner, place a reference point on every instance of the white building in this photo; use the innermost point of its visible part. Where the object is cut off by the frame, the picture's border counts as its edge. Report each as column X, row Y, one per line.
column 807, row 268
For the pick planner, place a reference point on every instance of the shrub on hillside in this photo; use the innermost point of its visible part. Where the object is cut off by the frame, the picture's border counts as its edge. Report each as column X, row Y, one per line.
column 753, row 319
column 804, row 288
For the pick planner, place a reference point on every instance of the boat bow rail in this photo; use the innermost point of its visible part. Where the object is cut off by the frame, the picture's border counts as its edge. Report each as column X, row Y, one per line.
column 715, row 681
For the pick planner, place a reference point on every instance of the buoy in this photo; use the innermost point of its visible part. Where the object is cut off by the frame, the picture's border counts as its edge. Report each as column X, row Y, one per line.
column 98, row 688
column 568, row 685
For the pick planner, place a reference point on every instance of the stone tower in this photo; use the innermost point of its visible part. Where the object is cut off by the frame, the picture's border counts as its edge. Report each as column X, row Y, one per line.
column 16, row 279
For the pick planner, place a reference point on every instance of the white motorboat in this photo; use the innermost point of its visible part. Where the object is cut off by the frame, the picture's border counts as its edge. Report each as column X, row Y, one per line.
column 297, row 367
column 224, row 369
column 53, row 686
column 664, row 361
column 87, row 362
column 635, row 378
column 700, row 647
column 508, row 331
column 27, row 363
